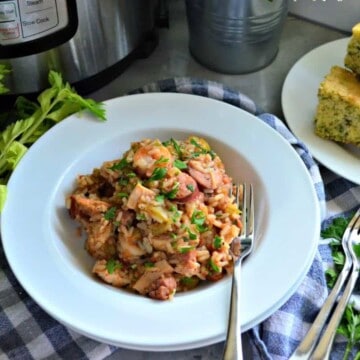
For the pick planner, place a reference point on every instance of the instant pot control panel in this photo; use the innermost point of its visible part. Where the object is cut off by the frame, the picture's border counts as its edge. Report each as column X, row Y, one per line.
column 32, row 26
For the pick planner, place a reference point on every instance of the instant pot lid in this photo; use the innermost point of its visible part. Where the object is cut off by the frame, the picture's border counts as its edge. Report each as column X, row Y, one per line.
column 110, row 36
column 33, row 26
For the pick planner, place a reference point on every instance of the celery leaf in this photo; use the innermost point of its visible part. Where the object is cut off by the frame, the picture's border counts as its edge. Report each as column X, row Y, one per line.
column 53, row 105
column 3, row 195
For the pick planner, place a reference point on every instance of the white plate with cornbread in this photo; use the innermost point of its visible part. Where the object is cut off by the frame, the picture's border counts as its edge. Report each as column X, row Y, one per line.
column 334, row 103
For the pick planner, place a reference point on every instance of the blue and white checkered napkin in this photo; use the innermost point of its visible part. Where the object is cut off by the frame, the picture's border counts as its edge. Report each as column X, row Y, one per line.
column 277, row 337
column 27, row 332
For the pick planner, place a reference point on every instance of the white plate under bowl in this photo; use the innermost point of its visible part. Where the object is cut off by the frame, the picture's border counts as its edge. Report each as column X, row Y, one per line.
column 299, row 101
column 48, row 258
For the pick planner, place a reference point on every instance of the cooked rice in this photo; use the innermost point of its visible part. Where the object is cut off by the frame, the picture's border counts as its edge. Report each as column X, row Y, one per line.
column 160, row 219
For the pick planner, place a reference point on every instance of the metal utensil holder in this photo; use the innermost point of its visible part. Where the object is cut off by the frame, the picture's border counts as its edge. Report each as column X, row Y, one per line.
column 235, row 36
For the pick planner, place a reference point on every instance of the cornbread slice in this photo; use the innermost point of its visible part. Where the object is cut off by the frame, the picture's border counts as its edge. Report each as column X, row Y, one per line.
column 352, row 58
column 338, row 112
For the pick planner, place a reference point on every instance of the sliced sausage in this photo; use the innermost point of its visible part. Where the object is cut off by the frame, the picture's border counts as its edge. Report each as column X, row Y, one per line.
column 187, row 186
column 163, row 288
column 209, row 178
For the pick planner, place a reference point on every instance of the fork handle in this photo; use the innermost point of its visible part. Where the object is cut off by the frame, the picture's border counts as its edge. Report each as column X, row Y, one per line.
column 305, row 348
column 233, row 345
column 323, row 349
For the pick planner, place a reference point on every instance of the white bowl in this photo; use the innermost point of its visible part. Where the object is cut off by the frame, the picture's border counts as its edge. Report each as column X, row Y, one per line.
column 50, row 262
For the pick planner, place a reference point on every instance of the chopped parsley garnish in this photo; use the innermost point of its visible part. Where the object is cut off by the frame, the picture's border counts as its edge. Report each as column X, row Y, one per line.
column 176, row 214
column 189, row 281
column 123, row 163
column 202, row 150
column 110, row 213
column 180, row 164
column 149, row 264
column 131, row 174
column 172, row 193
column 112, row 265
column 176, row 147
column 213, row 266
column 192, row 236
column 185, row 249
column 162, row 160
column 198, row 217
column 123, row 181
column 122, row 194
column 160, row 198
column 201, row 228
column 217, row 242
column 190, row 187
column 158, row 174
column 140, row 217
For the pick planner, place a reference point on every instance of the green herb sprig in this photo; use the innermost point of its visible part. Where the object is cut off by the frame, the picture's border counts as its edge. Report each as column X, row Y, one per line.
column 53, row 105
column 112, row 265
column 350, row 323
column 350, row 329
column 202, row 150
column 123, row 163
column 110, row 213
column 158, row 174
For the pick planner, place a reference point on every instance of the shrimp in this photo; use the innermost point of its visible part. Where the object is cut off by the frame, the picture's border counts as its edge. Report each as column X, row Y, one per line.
column 150, row 156
column 129, row 243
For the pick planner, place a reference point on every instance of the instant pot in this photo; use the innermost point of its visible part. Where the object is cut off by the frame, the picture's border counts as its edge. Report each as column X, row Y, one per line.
column 89, row 41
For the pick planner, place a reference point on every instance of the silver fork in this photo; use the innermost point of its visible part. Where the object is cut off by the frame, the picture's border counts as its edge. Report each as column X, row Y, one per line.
column 323, row 349
column 240, row 247
column 308, row 344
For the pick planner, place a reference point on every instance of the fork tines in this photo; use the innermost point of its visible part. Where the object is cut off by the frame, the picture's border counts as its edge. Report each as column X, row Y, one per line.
column 245, row 201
